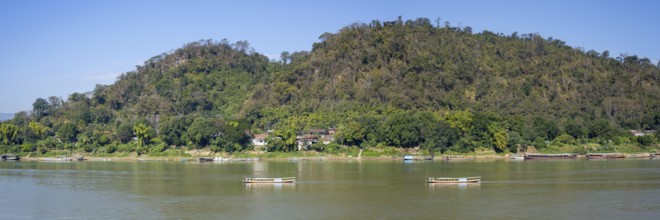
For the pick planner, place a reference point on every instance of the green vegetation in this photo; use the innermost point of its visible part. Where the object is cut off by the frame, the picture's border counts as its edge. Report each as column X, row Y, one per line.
column 385, row 86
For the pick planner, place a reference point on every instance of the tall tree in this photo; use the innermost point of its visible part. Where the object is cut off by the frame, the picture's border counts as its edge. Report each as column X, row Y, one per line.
column 40, row 108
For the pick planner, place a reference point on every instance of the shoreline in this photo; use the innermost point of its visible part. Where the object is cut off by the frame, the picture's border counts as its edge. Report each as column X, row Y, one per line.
column 255, row 157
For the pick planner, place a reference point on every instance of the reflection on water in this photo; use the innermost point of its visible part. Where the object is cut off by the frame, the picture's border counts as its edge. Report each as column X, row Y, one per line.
column 449, row 186
column 257, row 187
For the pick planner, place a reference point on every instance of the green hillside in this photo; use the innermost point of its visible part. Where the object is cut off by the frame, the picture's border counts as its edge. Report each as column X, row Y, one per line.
column 400, row 84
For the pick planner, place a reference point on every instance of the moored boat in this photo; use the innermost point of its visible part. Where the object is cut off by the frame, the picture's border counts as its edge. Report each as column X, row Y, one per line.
column 516, row 157
column 59, row 158
column 605, row 156
column 269, row 180
column 205, row 159
column 475, row 179
column 456, row 157
column 10, row 157
column 550, row 156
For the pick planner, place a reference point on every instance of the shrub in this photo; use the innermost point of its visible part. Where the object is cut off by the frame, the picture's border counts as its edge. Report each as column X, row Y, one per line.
column 646, row 140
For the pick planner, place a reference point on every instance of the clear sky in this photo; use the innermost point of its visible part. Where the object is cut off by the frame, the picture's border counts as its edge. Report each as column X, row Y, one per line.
column 54, row 48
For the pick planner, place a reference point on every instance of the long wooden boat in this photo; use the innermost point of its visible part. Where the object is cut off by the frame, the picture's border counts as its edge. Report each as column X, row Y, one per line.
column 269, row 180
column 605, row 156
column 205, row 159
column 475, row 179
column 10, row 157
column 457, row 157
column 550, row 156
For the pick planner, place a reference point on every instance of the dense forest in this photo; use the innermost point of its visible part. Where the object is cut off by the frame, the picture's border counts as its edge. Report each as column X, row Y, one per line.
column 395, row 84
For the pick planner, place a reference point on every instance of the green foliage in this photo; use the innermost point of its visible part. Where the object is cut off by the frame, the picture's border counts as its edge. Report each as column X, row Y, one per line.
column 125, row 132
column 351, row 134
column 201, row 132
column 67, row 132
column 173, row 131
column 382, row 85
column 40, row 108
column 404, row 130
column 646, row 140
column 143, row 133
column 8, row 133
column 439, row 137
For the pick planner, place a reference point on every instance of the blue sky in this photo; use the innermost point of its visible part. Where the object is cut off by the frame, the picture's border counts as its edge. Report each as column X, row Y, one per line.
column 55, row 48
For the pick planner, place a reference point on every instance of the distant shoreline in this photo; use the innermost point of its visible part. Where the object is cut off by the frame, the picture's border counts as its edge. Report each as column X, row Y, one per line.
column 452, row 157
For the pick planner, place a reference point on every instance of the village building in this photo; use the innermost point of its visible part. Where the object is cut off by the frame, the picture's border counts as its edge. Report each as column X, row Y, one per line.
column 638, row 133
column 312, row 136
column 259, row 141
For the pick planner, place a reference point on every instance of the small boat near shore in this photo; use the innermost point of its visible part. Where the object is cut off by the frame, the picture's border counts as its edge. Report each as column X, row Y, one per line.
column 550, row 156
column 64, row 158
column 516, row 157
column 269, row 180
column 457, row 157
column 10, row 157
column 205, row 159
column 475, row 179
column 605, row 156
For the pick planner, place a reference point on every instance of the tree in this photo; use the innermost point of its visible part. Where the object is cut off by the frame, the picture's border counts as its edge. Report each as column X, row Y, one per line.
column 499, row 136
column 201, row 132
column 173, row 130
column 600, row 128
column 37, row 129
column 143, row 132
column 403, row 130
column 287, row 133
column 40, row 108
column 545, row 128
column 461, row 121
column 125, row 132
column 285, row 56
column 516, row 142
column 233, row 135
column 67, row 132
column 438, row 137
column 8, row 133
column 575, row 129
column 351, row 133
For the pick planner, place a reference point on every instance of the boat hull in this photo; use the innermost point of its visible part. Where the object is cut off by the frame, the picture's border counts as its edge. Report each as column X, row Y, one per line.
column 452, row 180
column 549, row 156
column 10, row 157
column 605, row 156
column 270, row 180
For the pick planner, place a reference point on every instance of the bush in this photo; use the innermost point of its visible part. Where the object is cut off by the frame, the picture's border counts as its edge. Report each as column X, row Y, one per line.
column 332, row 148
column 88, row 148
column 157, row 148
column 129, row 147
column 28, row 147
column 318, row 147
column 646, row 140
column 564, row 139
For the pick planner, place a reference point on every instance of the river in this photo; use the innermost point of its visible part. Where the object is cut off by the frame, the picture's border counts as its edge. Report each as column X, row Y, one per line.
column 351, row 189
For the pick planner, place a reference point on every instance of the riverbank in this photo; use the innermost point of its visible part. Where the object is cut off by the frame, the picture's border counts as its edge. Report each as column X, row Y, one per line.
column 296, row 156
column 343, row 153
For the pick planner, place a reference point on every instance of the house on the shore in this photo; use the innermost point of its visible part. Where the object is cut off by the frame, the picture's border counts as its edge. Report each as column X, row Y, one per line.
column 305, row 142
column 638, row 133
column 307, row 138
column 259, row 141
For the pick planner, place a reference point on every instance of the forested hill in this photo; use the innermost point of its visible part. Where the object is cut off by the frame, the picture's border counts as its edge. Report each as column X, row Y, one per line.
column 380, row 83
column 414, row 65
